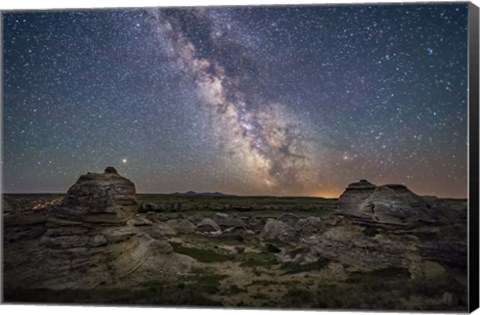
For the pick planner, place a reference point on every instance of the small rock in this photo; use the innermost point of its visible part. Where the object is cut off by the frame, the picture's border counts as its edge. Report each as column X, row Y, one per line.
column 279, row 230
column 140, row 221
column 181, row 226
column 221, row 215
column 208, row 225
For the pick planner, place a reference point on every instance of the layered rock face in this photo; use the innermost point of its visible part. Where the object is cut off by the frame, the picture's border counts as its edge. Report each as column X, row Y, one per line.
column 393, row 203
column 106, row 199
column 384, row 227
column 91, row 239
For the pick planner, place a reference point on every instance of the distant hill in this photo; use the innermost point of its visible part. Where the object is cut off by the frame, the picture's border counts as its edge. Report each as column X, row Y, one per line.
column 193, row 193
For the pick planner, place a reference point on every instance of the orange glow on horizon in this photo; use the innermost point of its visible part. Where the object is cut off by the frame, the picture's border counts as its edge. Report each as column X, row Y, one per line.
column 326, row 194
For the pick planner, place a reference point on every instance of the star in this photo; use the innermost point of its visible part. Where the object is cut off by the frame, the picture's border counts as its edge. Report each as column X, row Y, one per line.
column 243, row 100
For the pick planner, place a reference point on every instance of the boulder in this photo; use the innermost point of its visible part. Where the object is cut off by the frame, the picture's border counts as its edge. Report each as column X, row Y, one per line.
column 164, row 229
column 207, row 225
column 237, row 231
column 288, row 218
column 352, row 248
column 305, row 222
column 181, row 226
column 278, row 230
column 225, row 221
column 140, row 221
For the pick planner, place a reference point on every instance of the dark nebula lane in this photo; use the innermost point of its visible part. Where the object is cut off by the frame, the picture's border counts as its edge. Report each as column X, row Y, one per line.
column 246, row 100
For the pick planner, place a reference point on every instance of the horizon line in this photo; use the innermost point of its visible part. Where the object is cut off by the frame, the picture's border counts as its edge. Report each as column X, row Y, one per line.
column 227, row 194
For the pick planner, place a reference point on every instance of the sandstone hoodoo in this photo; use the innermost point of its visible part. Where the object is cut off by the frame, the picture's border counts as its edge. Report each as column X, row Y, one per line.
column 93, row 237
column 354, row 194
column 107, row 199
column 392, row 203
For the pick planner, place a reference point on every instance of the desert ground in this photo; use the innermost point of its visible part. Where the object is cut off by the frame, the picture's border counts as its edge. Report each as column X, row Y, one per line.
column 376, row 247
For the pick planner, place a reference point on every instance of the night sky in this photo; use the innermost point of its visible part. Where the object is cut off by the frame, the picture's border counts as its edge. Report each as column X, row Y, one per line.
column 243, row 100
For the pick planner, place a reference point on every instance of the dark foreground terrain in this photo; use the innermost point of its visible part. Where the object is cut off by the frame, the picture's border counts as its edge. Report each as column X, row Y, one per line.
column 376, row 247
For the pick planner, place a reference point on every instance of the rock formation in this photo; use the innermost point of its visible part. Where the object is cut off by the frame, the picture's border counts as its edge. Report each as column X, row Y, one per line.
column 226, row 221
column 181, row 226
column 91, row 239
column 354, row 194
column 394, row 204
column 377, row 246
column 289, row 218
column 99, row 199
column 278, row 230
column 303, row 223
column 385, row 227
column 207, row 225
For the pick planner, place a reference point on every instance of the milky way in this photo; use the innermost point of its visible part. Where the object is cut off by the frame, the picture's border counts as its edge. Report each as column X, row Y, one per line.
column 258, row 133
column 246, row 100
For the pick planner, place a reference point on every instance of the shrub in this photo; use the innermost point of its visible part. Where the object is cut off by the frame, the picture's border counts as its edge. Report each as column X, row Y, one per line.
column 202, row 255
column 292, row 268
column 258, row 259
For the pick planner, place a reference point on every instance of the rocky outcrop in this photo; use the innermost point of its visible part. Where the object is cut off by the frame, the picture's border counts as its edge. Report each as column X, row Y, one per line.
column 226, row 221
column 289, row 218
column 354, row 194
column 181, row 226
column 302, row 223
column 450, row 253
column 380, row 228
column 351, row 247
column 394, row 204
column 93, row 237
column 278, row 230
column 24, row 225
column 207, row 225
column 99, row 199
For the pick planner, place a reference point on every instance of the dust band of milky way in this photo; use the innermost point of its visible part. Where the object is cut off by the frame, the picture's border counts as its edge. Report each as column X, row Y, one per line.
column 260, row 134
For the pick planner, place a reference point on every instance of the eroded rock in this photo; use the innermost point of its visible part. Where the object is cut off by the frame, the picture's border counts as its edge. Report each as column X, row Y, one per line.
column 93, row 237
column 393, row 203
column 107, row 199
column 181, row 226
column 207, row 225
column 278, row 230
